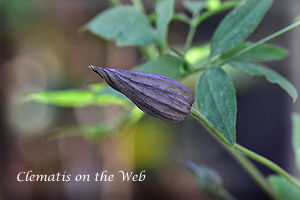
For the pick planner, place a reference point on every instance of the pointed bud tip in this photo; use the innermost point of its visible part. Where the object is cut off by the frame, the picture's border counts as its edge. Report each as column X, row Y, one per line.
column 98, row 70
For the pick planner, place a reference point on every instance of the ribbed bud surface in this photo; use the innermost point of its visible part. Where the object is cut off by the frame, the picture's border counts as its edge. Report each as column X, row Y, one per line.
column 157, row 95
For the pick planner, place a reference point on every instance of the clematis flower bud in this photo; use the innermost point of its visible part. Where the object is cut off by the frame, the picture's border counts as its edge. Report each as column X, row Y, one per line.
column 157, row 95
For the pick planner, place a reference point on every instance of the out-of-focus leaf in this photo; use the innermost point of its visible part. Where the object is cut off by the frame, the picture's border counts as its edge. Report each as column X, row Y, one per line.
column 213, row 4
column 296, row 137
column 123, row 24
column 238, row 25
column 89, row 131
column 166, row 65
column 272, row 76
column 283, row 188
column 215, row 99
column 196, row 54
column 207, row 179
column 65, row 98
column 75, row 98
column 265, row 52
column 165, row 11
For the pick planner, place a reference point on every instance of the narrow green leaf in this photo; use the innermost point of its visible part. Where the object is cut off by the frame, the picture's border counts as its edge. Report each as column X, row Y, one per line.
column 283, row 188
column 64, row 98
column 265, row 52
column 272, row 76
column 296, row 137
column 75, row 98
column 215, row 99
column 89, row 131
column 165, row 12
column 166, row 65
column 123, row 24
column 238, row 25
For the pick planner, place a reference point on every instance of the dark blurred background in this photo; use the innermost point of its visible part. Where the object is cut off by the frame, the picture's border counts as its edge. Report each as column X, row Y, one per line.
column 41, row 49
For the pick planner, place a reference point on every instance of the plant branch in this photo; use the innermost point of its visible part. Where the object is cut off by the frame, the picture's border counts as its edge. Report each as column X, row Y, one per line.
column 226, row 6
column 258, row 177
column 252, row 171
column 190, row 36
column 267, row 163
column 260, row 42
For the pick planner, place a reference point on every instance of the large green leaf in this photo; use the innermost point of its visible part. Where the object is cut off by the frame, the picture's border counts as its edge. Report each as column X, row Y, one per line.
column 166, row 65
column 238, row 25
column 165, row 11
column 272, row 76
column 123, row 24
column 296, row 137
column 265, row 52
column 215, row 99
column 283, row 188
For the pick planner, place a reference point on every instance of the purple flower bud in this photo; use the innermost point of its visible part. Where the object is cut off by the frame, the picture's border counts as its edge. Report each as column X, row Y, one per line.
column 157, row 95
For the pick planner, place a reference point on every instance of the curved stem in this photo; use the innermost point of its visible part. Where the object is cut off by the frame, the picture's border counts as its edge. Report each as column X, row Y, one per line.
column 225, row 6
column 267, row 163
column 244, row 162
column 252, row 170
column 195, row 113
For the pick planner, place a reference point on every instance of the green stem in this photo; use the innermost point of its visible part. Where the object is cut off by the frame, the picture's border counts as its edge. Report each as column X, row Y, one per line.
column 138, row 5
column 150, row 52
column 173, row 51
column 195, row 113
column 252, row 171
column 260, row 42
column 198, row 19
column 267, row 163
column 190, row 36
column 225, row 6
column 115, row 2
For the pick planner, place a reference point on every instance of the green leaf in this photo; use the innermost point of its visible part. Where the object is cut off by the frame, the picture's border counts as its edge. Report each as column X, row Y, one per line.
column 196, row 54
column 215, row 99
column 296, row 137
column 166, row 65
column 238, row 25
column 272, row 76
column 195, row 7
column 265, row 52
column 123, row 24
column 75, row 98
column 90, row 131
column 165, row 12
column 283, row 188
